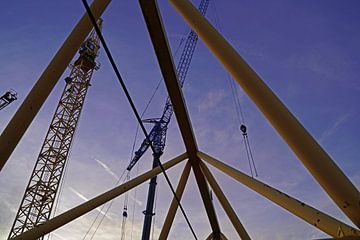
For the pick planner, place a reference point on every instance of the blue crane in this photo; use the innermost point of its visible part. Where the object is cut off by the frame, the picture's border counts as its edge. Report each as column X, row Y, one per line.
column 157, row 135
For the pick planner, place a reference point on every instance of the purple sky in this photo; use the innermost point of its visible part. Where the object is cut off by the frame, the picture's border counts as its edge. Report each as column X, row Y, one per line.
column 308, row 52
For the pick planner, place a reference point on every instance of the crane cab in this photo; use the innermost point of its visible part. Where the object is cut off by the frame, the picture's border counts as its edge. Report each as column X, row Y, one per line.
column 88, row 52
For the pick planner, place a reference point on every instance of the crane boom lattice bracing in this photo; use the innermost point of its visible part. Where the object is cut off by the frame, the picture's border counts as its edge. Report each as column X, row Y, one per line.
column 158, row 133
column 41, row 191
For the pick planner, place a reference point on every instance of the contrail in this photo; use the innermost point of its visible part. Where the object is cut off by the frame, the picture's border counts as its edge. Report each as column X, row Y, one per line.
column 138, row 202
column 58, row 236
column 107, row 169
column 86, row 199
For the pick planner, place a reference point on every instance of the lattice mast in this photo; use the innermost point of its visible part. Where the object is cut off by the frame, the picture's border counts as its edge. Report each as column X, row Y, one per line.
column 157, row 134
column 41, row 191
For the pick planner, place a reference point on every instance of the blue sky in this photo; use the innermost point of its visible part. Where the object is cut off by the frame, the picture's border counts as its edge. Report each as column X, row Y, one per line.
column 307, row 52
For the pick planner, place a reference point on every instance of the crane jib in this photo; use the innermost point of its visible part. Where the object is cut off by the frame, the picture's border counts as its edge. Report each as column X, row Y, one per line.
column 157, row 134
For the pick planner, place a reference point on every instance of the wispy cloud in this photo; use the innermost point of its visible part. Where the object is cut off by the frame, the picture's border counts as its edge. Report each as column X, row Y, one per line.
column 107, row 168
column 86, row 199
column 332, row 130
column 58, row 236
column 138, row 202
column 211, row 100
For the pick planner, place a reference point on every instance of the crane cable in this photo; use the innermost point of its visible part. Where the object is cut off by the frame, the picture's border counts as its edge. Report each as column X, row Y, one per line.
column 101, row 211
column 128, row 174
column 122, row 83
column 125, row 205
column 239, row 111
column 134, row 206
column 125, row 208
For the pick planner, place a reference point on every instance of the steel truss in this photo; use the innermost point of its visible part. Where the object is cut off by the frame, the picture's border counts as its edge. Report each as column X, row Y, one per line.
column 41, row 191
column 242, row 73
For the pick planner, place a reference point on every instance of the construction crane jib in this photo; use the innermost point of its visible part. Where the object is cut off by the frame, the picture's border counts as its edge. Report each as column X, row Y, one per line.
column 157, row 134
column 41, row 192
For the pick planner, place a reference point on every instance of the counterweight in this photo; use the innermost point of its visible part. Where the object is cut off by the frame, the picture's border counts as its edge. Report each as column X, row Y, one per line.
column 41, row 191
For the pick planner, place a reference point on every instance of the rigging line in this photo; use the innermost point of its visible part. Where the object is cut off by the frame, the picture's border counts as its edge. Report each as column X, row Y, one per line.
column 101, row 210
column 251, row 155
column 125, row 210
column 234, row 88
column 106, row 211
column 133, row 146
column 122, row 83
column 239, row 102
column 159, row 82
column 217, row 23
column 134, row 205
column 234, row 98
column 238, row 107
column 128, row 175
column 248, row 156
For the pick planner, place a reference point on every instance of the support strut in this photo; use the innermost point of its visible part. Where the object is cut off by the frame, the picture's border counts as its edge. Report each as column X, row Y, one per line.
column 310, row 153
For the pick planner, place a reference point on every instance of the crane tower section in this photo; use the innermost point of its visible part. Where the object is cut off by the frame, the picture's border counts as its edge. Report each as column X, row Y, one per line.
column 157, row 135
column 41, row 191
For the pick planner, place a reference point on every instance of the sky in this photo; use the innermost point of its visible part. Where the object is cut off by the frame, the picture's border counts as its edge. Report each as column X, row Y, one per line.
column 307, row 52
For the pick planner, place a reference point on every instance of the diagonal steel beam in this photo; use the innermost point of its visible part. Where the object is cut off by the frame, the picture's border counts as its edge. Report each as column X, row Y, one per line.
column 174, row 204
column 87, row 206
column 225, row 203
column 310, row 153
column 314, row 217
column 159, row 40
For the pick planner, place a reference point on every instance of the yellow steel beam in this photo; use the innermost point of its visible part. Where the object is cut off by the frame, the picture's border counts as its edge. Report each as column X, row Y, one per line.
column 320, row 220
column 225, row 203
column 41, row 90
column 86, row 207
column 219, row 237
column 174, row 204
column 159, row 40
column 314, row 158
column 341, row 238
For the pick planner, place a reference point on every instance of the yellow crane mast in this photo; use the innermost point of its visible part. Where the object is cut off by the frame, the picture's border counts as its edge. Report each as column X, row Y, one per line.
column 41, row 191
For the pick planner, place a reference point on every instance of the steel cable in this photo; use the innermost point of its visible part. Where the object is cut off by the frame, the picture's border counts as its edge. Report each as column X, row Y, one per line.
column 122, row 83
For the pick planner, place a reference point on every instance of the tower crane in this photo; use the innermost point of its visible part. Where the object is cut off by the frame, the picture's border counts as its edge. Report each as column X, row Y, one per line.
column 40, row 194
column 7, row 98
column 157, row 135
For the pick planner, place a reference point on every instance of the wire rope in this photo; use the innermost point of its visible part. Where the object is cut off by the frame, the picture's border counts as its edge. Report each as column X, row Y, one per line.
column 101, row 211
column 137, row 128
column 122, row 83
column 134, row 206
column 142, row 114
column 238, row 109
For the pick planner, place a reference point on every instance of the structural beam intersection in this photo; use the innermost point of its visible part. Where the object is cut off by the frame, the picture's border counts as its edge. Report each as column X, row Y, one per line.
column 160, row 43
column 310, row 153
column 314, row 217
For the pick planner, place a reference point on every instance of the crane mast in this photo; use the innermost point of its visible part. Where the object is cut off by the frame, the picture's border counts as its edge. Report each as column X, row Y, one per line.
column 40, row 194
column 7, row 98
column 157, row 135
